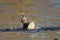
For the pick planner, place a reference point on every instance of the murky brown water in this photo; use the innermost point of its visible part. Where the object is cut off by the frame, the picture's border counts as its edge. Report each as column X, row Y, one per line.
column 49, row 35
column 45, row 13
column 42, row 12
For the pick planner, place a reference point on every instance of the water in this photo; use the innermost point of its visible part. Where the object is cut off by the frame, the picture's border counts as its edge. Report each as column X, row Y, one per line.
column 45, row 13
column 25, row 36
column 37, row 11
